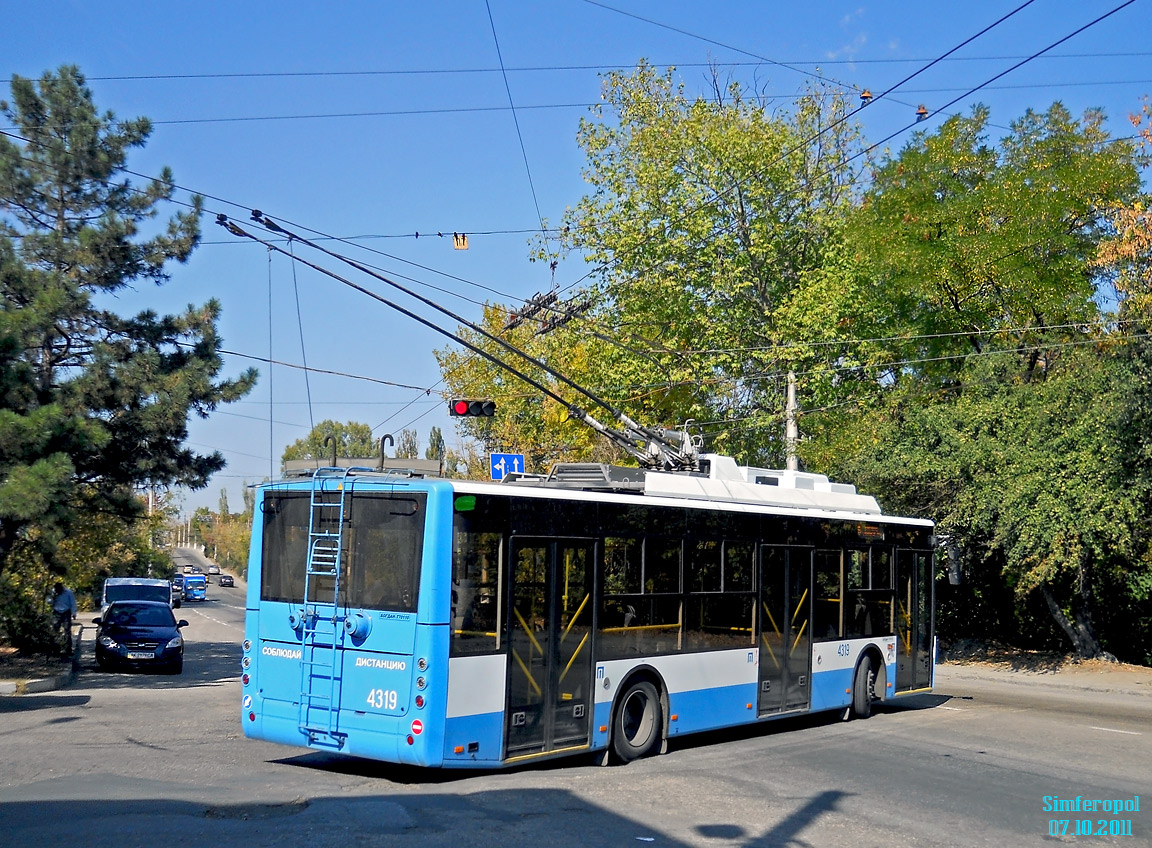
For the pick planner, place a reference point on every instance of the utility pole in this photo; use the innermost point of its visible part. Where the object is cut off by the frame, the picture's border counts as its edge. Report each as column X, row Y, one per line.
column 791, row 434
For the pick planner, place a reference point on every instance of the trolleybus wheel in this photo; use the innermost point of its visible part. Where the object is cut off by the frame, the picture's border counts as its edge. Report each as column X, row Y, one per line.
column 864, row 688
column 638, row 722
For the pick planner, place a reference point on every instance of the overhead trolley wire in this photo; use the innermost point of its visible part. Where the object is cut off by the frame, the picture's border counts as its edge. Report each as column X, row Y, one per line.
column 463, row 110
column 669, row 27
column 625, row 440
column 306, row 369
column 935, row 389
column 515, row 118
column 610, row 67
column 1027, row 59
column 348, row 241
column 267, row 222
column 311, row 369
column 317, row 234
column 902, row 363
column 658, row 439
column 992, row 79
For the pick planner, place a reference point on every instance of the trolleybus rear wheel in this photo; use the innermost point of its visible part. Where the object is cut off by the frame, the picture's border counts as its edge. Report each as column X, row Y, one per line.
column 864, row 688
column 638, row 722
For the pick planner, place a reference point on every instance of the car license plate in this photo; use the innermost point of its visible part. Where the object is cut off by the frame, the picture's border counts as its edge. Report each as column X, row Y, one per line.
column 141, row 655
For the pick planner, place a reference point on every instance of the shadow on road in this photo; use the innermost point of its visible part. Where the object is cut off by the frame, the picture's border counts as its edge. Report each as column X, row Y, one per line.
column 25, row 703
column 791, row 724
column 926, row 701
column 496, row 818
column 412, row 775
column 205, row 664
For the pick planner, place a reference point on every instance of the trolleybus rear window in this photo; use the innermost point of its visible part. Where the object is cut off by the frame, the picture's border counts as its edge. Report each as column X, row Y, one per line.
column 382, row 541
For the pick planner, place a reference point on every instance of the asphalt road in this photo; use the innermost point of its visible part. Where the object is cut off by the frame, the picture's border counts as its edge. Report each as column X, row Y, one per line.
column 134, row 759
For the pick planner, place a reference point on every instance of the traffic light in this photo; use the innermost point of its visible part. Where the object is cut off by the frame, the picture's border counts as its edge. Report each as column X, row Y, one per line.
column 458, row 407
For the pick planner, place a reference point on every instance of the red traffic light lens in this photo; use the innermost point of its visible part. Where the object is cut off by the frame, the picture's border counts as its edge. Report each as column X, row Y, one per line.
column 460, row 407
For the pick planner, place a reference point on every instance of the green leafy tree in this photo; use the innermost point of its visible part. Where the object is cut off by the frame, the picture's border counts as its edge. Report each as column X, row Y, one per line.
column 104, row 545
column 438, row 449
column 92, row 404
column 705, row 215
column 968, row 244
column 1031, row 487
column 408, row 447
column 977, row 396
column 226, row 535
column 353, row 439
column 436, row 445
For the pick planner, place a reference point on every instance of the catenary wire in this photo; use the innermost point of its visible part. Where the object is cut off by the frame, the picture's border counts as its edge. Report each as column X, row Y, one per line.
column 515, row 117
column 609, row 67
column 1025, row 59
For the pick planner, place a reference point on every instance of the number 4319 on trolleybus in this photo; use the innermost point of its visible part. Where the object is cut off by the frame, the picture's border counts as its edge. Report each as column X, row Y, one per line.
column 596, row 609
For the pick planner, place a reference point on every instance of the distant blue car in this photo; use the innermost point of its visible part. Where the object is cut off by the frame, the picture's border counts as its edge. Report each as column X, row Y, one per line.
column 195, row 587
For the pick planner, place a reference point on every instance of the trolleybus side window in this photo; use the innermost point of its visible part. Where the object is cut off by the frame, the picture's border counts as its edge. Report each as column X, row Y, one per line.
column 718, row 621
column 704, row 566
column 662, row 566
column 622, row 566
column 621, row 587
column 476, row 560
column 720, row 610
column 881, row 567
column 640, row 606
column 868, row 592
column 739, row 566
column 826, row 594
column 479, row 550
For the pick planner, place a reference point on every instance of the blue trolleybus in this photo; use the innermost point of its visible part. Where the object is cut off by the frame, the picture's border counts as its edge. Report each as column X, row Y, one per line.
column 598, row 609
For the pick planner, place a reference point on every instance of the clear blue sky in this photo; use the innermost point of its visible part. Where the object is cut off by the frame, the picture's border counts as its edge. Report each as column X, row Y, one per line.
column 385, row 119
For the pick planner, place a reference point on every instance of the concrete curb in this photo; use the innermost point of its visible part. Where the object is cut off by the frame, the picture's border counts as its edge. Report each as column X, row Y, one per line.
column 35, row 686
column 1121, row 681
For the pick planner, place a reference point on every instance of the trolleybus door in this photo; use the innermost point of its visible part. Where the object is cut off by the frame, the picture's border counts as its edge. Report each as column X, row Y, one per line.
column 914, row 587
column 549, row 641
column 785, row 628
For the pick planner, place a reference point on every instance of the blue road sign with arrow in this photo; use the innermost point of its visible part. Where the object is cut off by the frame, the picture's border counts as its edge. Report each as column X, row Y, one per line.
column 504, row 464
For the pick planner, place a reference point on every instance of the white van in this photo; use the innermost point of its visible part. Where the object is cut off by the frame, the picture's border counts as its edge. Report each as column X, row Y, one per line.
column 135, row 589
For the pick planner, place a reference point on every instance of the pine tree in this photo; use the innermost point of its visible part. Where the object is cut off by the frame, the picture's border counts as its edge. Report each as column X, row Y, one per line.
column 92, row 404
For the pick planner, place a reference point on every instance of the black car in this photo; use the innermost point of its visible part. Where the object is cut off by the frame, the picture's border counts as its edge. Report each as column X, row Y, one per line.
column 140, row 634
column 226, row 580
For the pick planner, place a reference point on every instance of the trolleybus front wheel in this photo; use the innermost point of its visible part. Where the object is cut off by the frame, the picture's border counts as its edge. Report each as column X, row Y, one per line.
column 638, row 723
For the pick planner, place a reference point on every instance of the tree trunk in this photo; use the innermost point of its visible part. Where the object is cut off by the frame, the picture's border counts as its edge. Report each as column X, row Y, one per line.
column 1078, row 628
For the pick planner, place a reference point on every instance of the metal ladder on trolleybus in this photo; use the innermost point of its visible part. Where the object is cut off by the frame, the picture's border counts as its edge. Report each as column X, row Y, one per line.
column 323, row 620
